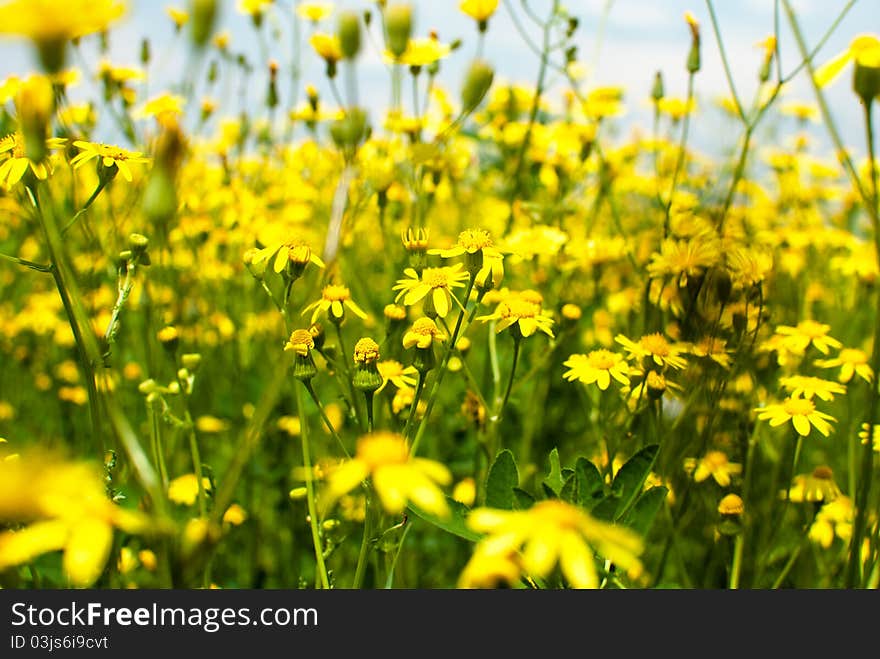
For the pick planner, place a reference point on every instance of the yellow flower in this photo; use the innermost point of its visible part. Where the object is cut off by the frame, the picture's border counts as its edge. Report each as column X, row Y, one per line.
column 235, row 515
column 598, row 366
column 434, row 287
column 554, row 532
column 253, row 8
column 327, row 46
column 655, row 348
column 479, row 10
column 211, row 424
column 53, row 22
column 801, row 412
column 295, row 253
column 185, row 489
column 162, row 107
column 681, row 259
column 421, row 52
column 817, row 486
column 314, row 11
column 489, row 567
column 422, row 334
column 675, row 107
column 714, row 464
column 864, row 50
column 522, row 312
column 394, row 372
column 16, row 162
column 851, row 362
column 179, row 16
column 65, row 507
column 808, row 332
column 714, row 348
column 335, row 299
column 110, row 157
column 397, row 477
column 731, row 504
column 835, row 519
column 801, row 385
column 465, row 491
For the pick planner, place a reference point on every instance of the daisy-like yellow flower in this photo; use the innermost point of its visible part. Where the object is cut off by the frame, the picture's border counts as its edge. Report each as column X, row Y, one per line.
column 808, row 387
column 397, row 374
column 835, row 519
column 14, row 162
column 681, row 259
column 676, row 107
column 489, row 567
column 397, row 478
column 327, row 46
column 801, row 412
column 254, row 8
column 554, row 532
column 314, row 11
column 851, row 361
column 715, row 464
column 422, row 334
column 109, row 157
column 655, row 348
column 294, row 252
column 335, row 299
column 47, row 505
column 163, row 107
column 522, row 312
column 434, row 287
column 598, row 367
column 817, row 486
column 480, row 10
column 863, row 50
column 807, row 332
column 421, row 52
column 800, row 110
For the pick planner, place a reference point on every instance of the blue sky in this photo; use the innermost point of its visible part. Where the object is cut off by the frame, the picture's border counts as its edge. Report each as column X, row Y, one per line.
column 639, row 38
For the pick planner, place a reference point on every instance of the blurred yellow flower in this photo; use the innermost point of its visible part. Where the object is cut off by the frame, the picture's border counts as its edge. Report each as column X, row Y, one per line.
column 552, row 532
column 397, row 477
column 801, row 412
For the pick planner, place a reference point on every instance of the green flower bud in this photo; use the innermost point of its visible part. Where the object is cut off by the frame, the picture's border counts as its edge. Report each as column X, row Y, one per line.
column 477, row 82
column 398, row 22
column 349, row 34
column 204, row 15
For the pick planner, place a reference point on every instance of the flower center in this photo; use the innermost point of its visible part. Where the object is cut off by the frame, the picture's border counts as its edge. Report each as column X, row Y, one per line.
column 798, row 407
column 823, row 472
column 853, row 356
column 603, row 359
column 656, row 344
column 517, row 309
column 473, row 240
column 435, row 277
column 715, row 459
column 336, row 293
column 424, row 327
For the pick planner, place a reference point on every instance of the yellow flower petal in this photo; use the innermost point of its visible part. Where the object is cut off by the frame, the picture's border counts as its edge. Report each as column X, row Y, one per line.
column 87, row 550
column 826, row 73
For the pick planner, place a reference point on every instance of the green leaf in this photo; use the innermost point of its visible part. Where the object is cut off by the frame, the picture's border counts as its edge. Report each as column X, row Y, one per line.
column 584, row 487
column 503, row 478
column 606, row 508
column 554, row 479
column 524, row 500
column 456, row 523
column 631, row 477
column 641, row 516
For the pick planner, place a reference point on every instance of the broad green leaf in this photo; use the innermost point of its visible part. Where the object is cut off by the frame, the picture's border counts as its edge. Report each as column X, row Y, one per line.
column 456, row 523
column 584, row 487
column 606, row 508
column 631, row 477
column 523, row 499
column 503, row 478
column 554, row 479
column 641, row 516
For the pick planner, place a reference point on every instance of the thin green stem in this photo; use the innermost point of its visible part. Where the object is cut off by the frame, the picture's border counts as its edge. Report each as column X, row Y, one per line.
column 682, row 151
column 363, row 554
column 101, row 185
column 310, row 491
column 311, row 389
column 389, row 580
column 724, row 61
column 46, row 269
column 420, row 385
column 736, row 564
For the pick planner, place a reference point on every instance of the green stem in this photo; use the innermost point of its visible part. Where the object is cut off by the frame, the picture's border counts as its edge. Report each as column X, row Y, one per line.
column 310, row 490
column 682, row 150
column 432, row 397
column 724, row 61
column 389, row 581
column 736, row 565
column 47, row 269
column 415, row 403
column 330, row 428
column 101, row 185
column 516, row 348
column 364, row 553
